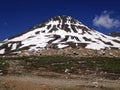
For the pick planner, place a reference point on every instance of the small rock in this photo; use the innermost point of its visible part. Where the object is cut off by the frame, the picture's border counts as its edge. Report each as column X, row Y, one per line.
column 1, row 73
column 95, row 84
column 119, row 78
column 87, row 70
column 67, row 70
column 111, row 54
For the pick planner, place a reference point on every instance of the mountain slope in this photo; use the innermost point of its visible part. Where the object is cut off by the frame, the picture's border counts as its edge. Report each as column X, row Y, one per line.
column 59, row 32
column 114, row 34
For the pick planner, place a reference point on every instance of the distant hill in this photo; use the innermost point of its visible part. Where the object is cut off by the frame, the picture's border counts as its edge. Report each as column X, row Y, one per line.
column 114, row 34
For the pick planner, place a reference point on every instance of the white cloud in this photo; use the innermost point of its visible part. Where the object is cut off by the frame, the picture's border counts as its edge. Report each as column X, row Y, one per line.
column 106, row 21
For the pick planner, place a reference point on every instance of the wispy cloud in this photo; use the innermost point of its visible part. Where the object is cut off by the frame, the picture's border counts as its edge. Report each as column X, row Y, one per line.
column 5, row 23
column 105, row 20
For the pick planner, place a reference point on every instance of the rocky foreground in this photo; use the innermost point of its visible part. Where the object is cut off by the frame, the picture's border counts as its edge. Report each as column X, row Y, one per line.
column 59, row 73
column 40, row 83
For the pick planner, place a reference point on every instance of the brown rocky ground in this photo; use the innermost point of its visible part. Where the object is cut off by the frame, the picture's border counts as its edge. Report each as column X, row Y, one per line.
column 41, row 83
column 79, row 52
column 59, row 73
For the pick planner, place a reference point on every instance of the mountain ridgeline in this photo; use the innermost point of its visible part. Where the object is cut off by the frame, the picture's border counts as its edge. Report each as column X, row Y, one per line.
column 59, row 32
column 114, row 34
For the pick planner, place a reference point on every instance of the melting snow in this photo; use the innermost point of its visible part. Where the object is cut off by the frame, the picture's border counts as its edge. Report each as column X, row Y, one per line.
column 14, row 46
column 95, row 46
column 62, row 46
column 2, row 51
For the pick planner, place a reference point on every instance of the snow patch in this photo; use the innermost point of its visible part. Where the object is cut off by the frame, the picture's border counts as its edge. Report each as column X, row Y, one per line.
column 14, row 46
column 62, row 46
column 2, row 51
column 95, row 46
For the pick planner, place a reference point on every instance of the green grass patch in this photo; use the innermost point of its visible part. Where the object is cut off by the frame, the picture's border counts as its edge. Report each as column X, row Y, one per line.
column 60, row 63
column 4, row 65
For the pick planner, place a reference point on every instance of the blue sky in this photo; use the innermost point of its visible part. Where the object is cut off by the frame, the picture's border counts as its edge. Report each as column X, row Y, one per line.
column 17, row 16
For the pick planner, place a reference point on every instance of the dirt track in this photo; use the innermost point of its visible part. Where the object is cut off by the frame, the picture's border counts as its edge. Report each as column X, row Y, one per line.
column 40, row 83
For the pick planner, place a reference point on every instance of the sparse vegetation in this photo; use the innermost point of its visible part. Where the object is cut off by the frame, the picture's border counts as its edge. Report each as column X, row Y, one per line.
column 58, row 64
column 3, row 66
column 108, row 66
column 6, row 86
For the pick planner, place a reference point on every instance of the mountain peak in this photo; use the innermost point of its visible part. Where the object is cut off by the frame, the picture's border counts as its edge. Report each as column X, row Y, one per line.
column 66, row 23
column 65, row 19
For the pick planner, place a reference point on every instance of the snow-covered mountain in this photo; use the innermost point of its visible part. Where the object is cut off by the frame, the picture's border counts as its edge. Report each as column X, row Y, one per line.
column 59, row 32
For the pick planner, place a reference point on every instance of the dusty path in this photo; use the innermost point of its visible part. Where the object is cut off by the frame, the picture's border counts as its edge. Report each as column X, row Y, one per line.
column 40, row 83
